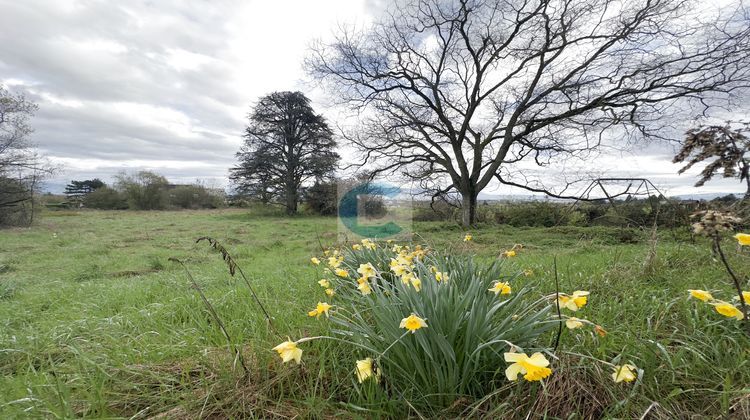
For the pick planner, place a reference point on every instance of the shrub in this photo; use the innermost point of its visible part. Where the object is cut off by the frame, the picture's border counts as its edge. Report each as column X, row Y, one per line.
column 105, row 198
column 321, row 198
column 193, row 197
column 534, row 213
column 144, row 190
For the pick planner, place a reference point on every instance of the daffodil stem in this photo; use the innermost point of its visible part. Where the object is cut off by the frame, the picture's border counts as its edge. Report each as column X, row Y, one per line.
column 392, row 344
column 557, row 306
column 736, row 281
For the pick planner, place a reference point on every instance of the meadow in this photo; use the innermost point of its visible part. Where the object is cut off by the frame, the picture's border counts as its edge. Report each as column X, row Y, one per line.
column 96, row 321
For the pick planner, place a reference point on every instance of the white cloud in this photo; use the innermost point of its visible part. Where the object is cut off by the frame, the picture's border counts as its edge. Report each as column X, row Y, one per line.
column 167, row 85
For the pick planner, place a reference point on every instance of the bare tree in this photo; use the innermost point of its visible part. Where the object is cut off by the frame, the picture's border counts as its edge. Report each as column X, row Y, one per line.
column 456, row 93
column 726, row 145
column 21, row 168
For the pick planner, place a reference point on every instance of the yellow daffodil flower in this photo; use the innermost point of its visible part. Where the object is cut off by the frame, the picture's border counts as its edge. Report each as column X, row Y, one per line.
column 315, row 261
column 330, row 292
column 745, row 296
column 324, row 283
column 509, row 253
column 433, row 269
column 334, row 261
column 574, row 302
column 341, row 272
column 321, row 308
column 728, row 310
column 533, row 368
column 406, row 278
column 364, row 286
column 369, row 244
column 413, row 323
column 357, row 247
column 405, row 258
column 441, row 276
column 573, row 323
column 742, row 238
column 500, row 288
column 700, row 294
column 367, row 270
column 417, row 283
column 399, row 269
column 365, row 370
column 528, row 272
column 625, row 373
column 468, row 237
column 288, row 351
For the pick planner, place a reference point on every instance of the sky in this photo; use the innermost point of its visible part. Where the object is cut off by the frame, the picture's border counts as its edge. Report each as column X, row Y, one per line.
column 166, row 85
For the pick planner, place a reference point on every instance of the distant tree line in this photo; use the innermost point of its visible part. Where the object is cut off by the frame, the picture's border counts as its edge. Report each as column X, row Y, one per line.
column 142, row 190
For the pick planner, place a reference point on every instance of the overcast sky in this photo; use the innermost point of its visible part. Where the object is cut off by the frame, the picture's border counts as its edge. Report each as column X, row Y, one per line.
column 166, row 85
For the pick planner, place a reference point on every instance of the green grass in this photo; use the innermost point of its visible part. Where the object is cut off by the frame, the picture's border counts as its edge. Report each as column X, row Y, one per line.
column 95, row 321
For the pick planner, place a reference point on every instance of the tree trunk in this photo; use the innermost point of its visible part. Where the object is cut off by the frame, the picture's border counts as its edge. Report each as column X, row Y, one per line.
column 291, row 200
column 468, row 208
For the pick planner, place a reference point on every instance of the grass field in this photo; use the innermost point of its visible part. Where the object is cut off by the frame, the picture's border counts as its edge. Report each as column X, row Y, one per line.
column 96, row 322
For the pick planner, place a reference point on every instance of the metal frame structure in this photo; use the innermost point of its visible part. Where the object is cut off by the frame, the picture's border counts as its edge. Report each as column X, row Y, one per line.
column 635, row 187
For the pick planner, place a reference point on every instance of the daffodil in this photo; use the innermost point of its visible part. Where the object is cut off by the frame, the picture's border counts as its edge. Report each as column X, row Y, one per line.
column 327, row 252
column 533, row 368
column 417, row 283
column 573, row 323
column 728, row 310
column 625, row 373
column 324, row 283
column 413, row 323
column 399, row 269
column 441, row 276
column 742, row 238
column 369, row 244
column 315, row 261
column 468, row 237
column 510, row 253
column 288, row 351
column 745, row 297
column 335, row 261
column 500, row 288
column 357, row 247
column 365, row 370
column 330, row 292
column 321, row 308
column 406, row 278
column 700, row 294
column 574, row 302
column 364, row 286
column 341, row 272
column 528, row 272
column 367, row 270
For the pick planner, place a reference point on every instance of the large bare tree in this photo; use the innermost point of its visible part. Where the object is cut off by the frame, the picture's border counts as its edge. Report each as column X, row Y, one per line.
column 457, row 93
